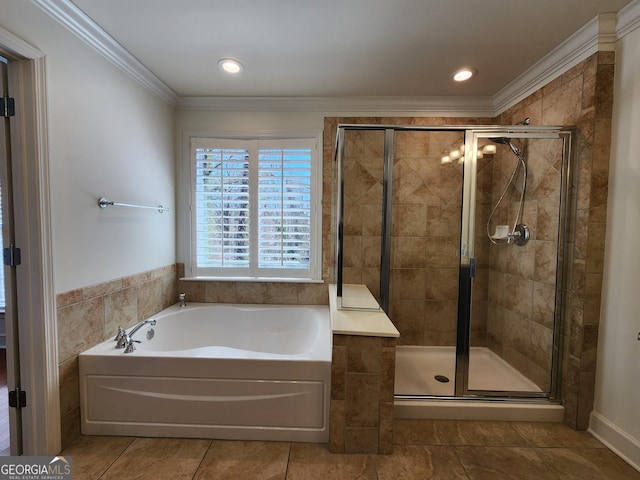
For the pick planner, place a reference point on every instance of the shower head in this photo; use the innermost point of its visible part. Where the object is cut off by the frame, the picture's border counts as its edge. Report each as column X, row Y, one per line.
column 507, row 141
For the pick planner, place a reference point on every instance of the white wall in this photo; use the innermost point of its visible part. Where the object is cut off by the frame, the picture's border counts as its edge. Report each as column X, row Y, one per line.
column 616, row 417
column 108, row 137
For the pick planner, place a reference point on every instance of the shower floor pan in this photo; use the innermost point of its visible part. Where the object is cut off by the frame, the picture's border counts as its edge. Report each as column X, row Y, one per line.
column 418, row 367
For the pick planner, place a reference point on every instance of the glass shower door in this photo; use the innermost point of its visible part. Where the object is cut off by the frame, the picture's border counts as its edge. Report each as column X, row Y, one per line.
column 513, row 244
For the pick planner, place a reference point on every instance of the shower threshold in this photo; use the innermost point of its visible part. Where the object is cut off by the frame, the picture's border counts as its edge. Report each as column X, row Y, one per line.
column 421, row 370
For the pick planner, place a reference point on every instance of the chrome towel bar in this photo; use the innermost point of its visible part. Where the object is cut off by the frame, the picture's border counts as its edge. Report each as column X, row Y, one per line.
column 104, row 203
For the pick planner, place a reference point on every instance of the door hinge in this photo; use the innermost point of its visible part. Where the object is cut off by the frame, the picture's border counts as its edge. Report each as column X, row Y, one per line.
column 17, row 398
column 11, row 256
column 7, row 107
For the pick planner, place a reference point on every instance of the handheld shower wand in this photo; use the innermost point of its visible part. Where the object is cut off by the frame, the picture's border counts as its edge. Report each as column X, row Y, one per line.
column 519, row 233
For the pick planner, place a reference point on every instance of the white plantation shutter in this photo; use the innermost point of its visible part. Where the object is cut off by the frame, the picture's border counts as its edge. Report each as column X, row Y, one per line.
column 222, row 207
column 284, row 210
column 253, row 208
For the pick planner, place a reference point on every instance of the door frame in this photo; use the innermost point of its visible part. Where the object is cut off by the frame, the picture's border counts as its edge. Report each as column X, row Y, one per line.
column 32, row 205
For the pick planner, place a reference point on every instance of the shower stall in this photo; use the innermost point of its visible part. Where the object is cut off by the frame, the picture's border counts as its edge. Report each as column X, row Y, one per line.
column 460, row 233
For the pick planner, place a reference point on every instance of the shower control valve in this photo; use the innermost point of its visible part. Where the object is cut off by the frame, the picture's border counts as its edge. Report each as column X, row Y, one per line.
column 520, row 235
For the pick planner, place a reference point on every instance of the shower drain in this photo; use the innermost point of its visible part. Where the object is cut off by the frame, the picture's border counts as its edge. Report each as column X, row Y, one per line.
column 442, row 378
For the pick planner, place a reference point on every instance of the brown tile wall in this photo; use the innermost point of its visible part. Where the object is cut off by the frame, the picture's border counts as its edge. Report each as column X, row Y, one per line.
column 425, row 229
column 90, row 315
column 253, row 292
column 362, row 381
column 583, row 97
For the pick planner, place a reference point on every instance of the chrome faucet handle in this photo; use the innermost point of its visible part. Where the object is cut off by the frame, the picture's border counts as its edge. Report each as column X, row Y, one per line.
column 129, row 344
column 121, row 333
column 121, row 338
column 130, row 347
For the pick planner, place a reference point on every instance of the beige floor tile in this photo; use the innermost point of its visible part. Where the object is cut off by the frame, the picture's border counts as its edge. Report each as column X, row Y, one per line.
column 542, row 434
column 159, row 459
column 311, row 461
column 420, row 462
column 588, row 464
column 513, row 463
column 244, row 460
column 417, row 432
column 92, row 455
column 488, row 434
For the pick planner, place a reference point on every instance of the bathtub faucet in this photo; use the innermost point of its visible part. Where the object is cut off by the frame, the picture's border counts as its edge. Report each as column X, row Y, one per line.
column 124, row 339
column 181, row 297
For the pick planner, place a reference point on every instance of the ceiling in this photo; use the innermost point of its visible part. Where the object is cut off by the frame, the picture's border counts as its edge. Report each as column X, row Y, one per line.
column 341, row 48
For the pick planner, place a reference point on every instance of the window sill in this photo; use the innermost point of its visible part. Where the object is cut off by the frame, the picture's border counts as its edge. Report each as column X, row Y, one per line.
column 251, row 279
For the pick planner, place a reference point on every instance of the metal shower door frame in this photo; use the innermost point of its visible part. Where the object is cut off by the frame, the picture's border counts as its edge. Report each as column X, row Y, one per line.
column 472, row 133
column 468, row 260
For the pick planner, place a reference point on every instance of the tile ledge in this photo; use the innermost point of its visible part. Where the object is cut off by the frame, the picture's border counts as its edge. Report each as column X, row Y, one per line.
column 369, row 323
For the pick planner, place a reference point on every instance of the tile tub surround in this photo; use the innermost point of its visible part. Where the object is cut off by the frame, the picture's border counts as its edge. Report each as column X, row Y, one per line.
column 89, row 315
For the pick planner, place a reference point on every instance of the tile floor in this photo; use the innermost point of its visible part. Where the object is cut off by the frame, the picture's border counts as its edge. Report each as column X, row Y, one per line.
column 424, row 449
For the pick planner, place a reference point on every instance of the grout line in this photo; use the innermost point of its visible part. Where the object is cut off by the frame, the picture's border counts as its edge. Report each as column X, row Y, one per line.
column 455, row 454
column 195, row 473
column 116, row 459
column 286, row 470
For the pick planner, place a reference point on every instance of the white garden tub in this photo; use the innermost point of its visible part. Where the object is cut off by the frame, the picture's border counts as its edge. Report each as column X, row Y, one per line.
column 249, row 372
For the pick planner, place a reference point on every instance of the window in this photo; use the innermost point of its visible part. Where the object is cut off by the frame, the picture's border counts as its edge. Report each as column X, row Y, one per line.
column 255, row 208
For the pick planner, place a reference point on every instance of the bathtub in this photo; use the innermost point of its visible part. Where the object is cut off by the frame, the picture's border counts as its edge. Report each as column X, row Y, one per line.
column 245, row 372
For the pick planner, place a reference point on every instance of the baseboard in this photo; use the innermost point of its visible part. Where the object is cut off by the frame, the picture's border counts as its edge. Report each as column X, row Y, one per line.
column 619, row 441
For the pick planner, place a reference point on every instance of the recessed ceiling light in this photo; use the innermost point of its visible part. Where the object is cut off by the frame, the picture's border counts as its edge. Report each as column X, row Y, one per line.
column 464, row 74
column 230, row 65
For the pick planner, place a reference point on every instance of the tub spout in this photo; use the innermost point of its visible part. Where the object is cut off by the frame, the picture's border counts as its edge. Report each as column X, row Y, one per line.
column 150, row 321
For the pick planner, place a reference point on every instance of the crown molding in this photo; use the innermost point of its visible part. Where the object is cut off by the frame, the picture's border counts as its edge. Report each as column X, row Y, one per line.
column 597, row 35
column 628, row 19
column 600, row 34
column 17, row 47
column 427, row 106
column 75, row 20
